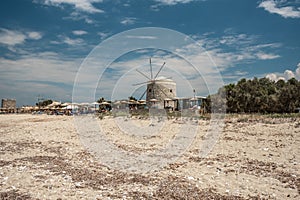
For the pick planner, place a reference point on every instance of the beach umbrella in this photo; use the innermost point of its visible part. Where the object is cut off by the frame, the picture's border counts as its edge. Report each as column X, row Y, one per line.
column 65, row 104
column 194, row 99
column 132, row 101
column 55, row 103
column 104, row 103
column 117, row 102
column 95, row 104
column 153, row 100
column 168, row 99
column 124, row 102
column 27, row 108
column 142, row 101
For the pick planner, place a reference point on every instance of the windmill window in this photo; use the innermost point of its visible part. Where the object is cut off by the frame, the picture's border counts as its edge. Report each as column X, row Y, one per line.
column 171, row 90
column 150, row 90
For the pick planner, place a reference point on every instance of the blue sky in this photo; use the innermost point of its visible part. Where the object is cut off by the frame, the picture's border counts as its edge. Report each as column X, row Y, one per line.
column 44, row 42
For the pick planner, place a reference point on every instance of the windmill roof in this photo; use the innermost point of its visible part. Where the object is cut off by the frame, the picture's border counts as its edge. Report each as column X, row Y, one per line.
column 164, row 78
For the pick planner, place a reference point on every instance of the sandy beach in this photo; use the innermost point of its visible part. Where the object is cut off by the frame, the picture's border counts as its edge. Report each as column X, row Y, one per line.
column 42, row 157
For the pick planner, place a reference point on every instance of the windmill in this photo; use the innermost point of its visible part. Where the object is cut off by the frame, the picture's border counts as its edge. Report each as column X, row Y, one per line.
column 158, row 88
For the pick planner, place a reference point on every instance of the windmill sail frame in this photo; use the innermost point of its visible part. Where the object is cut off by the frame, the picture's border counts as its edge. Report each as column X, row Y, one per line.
column 157, row 88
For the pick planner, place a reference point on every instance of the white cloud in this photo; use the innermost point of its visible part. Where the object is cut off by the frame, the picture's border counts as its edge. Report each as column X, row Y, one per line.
column 34, row 35
column 80, row 5
column 288, row 74
column 72, row 42
column 298, row 71
column 272, row 76
column 79, row 32
column 275, row 77
column 103, row 35
column 67, row 40
column 234, row 39
column 77, row 16
column 173, row 2
column 284, row 11
column 43, row 73
column 9, row 37
column 13, row 37
column 242, row 47
column 238, row 48
column 128, row 21
column 160, row 3
column 266, row 56
column 142, row 37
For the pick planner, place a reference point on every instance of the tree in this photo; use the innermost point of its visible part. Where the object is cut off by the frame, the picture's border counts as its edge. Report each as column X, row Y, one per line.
column 258, row 96
column 44, row 103
column 132, row 98
column 101, row 100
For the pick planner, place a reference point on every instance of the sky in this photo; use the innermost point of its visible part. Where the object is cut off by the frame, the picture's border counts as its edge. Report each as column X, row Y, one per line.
column 87, row 49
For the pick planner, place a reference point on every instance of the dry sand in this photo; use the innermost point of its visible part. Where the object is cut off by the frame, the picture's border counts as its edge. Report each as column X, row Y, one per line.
column 41, row 157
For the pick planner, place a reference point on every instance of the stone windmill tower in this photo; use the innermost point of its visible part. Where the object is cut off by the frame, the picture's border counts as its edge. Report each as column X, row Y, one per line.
column 159, row 89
